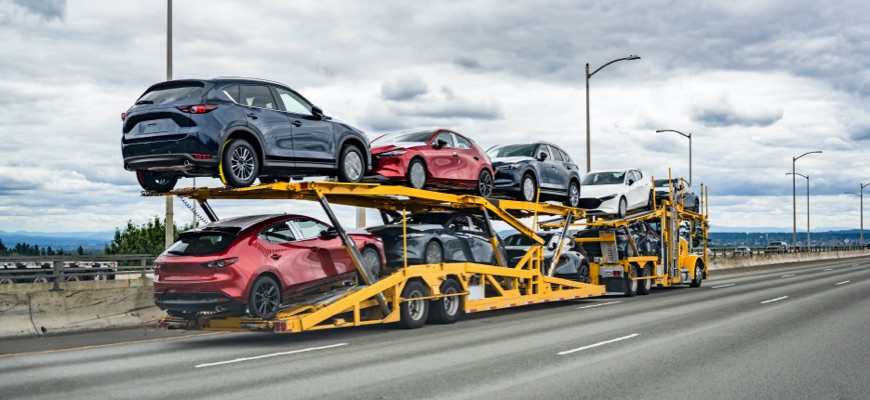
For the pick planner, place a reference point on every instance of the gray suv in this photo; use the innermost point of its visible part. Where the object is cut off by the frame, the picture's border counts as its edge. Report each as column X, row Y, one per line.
column 238, row 130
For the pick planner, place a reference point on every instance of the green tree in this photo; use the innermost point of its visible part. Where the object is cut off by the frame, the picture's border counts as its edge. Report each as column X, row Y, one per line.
column 3, row 250
column 80, row 251
column 148, row 238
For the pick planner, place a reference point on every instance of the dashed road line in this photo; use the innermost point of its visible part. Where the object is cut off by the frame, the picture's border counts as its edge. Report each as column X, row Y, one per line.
column 598, row 344
column 725, row 285
column 284, row 353
column 599, row 304
column 776, row 299
column 787, row 276
column 841, row 283
column 829, row 269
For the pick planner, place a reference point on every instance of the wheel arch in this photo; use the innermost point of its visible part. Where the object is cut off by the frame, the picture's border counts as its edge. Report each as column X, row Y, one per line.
column 363, row 148
column 252, row 138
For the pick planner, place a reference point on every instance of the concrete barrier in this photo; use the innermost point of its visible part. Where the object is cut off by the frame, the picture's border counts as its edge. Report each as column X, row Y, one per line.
column 52, row 312
column 769, row 259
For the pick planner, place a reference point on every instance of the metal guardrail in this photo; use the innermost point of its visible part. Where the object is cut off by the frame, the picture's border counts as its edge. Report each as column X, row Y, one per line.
column 760, row 251
column 66, row 268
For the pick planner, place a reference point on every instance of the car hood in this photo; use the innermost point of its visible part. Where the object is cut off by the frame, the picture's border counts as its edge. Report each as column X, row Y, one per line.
column 510, row 160
column 597, row 191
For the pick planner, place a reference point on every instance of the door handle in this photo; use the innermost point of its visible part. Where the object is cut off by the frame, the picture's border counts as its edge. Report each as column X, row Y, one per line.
column 476, row 158
column 296, row 123
column 455, row 154
column 313, row 249
column 275, row 256
column 252, row 115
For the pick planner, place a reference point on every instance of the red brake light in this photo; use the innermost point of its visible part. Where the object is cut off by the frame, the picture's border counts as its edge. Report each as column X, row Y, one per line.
column 197, row 108
column 123, row 116
column 202, row 156
column 226, row 262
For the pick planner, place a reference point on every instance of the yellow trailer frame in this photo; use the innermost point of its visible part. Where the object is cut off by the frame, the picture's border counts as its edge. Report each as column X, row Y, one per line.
column 377, row 301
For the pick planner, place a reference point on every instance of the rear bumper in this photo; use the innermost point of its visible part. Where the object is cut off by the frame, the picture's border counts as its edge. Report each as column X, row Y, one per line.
column 205, row 301
column 179, row 161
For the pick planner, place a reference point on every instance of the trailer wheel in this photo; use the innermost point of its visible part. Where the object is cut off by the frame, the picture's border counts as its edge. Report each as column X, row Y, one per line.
column 645, row 286
column 372, row 261
column 265, row 298
column 447, row 309
column 699, row 275
column 413, row 312
column 630, row 285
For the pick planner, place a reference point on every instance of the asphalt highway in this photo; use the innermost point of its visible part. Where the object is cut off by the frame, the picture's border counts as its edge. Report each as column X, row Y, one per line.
column 798, row 332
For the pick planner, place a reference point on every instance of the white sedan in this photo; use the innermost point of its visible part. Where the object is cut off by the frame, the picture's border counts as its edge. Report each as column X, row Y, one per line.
column 619, row 191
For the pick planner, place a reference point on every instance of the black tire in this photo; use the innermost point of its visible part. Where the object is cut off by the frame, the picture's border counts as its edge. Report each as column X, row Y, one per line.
column 413, row 312
column 528, row 188
column 6, row 280
column 447, row 310
column 371, row 259
column 240, row 164
column 41, row 279
column 156, row 181
column 416, row 174
column 484, row 183
column 630, row 285
column 433, row 253
column 264, row 301
column 351, row 165
column 71, row 278
column 699, row 275
column 573, row 197
column 644, row 286
column 583, row 273
column 623, row 208
column 181, row 314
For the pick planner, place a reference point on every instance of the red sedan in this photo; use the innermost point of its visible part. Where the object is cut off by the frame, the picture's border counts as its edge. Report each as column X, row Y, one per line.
column 255, row 263
column 432, row 158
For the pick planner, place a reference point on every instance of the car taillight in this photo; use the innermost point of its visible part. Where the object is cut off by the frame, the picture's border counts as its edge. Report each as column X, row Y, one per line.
column 159, row 265
column 123, row 116
column 197, row 108
column 224, row 262
column 202, row 156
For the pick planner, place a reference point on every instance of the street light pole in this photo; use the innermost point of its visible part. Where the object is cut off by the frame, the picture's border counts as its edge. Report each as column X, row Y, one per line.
column 861, row 196
column 588, row 135
column 808, row 206
column 689, row 135
column 170, row 218
column 794, row 197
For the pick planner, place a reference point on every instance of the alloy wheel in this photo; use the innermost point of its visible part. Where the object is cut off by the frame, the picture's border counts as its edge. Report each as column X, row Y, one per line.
column 242, row 163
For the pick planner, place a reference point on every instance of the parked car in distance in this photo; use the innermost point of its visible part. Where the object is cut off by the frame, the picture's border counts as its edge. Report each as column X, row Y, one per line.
column 619, row 191
column 682, row 192
column 522, row 169
column 431, row 158
column 572, row 263
column 238, row 130
column 255, row 263
column 437, row 236
column 742, row 251
column 776, row 247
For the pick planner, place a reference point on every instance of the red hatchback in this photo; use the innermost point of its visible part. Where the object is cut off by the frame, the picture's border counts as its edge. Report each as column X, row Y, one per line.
column 255, row 263
column 432, row 158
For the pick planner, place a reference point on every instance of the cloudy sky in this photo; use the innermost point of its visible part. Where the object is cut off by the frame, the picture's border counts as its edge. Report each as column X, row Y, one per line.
column 756, row 82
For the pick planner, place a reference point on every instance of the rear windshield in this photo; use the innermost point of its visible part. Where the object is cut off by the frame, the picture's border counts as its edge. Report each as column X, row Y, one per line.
column 172, row 93
column 427, row 219
column 200, row 244
column 513, row 150
column 523, row 240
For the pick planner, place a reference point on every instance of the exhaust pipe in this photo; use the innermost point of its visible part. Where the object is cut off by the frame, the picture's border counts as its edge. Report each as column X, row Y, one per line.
column 186, row 163
column 219, row 309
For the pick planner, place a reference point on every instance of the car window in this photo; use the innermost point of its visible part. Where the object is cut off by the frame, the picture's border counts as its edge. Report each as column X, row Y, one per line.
column 462, row 142
column 278, row 233
column 637, row 176
column 200, row 243
column 232, row 92
column 477, row 225
column 293, row 103
column 445, row 136
column 556, row 154
column 544, row 149
column 565, row 156
column 518, row 240
column 258, row 96
column 308, row 228
column 512, row 150
column 459, row 223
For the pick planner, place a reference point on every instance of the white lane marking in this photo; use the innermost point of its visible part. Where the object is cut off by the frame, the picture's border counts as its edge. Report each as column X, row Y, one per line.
column 855, row 265
column 726, row 285
column 597, row 344
column 841, row 283
column 599, row 305
column 787, row 276
column 829, row 269
column 269, row 355
column 776, row 299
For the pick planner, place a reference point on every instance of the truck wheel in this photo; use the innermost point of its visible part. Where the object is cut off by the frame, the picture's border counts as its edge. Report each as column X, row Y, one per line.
column 645, row 286
column 265, row 298
column 699, row 275
column 414, row 310
column 630, row 285
column 447, row 309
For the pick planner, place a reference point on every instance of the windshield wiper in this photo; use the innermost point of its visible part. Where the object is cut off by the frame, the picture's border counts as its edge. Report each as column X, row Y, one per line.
column 144, row 102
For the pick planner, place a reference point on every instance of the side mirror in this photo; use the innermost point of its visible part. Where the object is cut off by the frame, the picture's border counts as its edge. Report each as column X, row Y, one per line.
column 439, row 144
column 330, row 233
column 629, row 182
column 542, row 156
column 318, row 113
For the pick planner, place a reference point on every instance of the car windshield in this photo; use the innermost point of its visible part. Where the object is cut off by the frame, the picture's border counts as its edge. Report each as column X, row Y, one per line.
column 604, row 178
column 403, row 137
column 512, row 150
column 427, row 219
column 200, row 244
column 172, row 93
column 664, row 182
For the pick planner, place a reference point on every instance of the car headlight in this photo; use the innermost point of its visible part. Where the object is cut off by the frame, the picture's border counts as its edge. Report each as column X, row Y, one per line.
column 393, row 153
column 411, row 235
column 508, row 166
column 605, row 198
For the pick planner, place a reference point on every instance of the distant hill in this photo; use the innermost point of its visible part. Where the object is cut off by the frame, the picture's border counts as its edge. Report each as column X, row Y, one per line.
column 59, row 240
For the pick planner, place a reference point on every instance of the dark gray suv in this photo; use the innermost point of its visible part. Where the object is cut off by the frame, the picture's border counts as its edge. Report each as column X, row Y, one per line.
column 238, row 130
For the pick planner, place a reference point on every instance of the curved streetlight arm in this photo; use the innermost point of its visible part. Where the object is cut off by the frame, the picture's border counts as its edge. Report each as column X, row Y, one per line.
column 852, row 193
column 689, row 135
column 809, row 152
column 864, row 185
column 797, row 173
column 631, row 57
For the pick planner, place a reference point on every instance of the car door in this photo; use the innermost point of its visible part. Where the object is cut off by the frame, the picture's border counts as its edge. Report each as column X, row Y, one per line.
column 556, row 172
column 443, row 162
column 470, row 230
column 314, row 139
column 469, row 159
column 264, row 117
column 327, row 254
column 545, row 166
column 289, row 255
